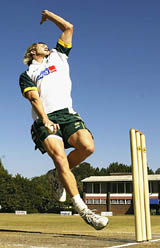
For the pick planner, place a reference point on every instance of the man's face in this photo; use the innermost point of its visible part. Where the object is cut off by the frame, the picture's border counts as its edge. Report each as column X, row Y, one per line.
column 42, row 50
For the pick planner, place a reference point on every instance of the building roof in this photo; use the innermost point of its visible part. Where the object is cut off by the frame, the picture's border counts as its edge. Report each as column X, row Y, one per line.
column 118, row 178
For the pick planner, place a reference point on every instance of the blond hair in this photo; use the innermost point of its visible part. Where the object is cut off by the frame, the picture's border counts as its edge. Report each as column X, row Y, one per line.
column 28, row 55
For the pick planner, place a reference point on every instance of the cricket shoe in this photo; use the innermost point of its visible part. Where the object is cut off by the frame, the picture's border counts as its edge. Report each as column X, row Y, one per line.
column 94, row 220
column 59, row 192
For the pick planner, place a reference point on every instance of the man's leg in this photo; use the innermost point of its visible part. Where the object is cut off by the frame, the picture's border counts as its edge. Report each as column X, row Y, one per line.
column 55, row 149
column 84, row 146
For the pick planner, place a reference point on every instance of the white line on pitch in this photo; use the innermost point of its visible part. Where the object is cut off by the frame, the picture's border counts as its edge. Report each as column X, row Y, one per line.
column 126, row 245
column 39, row 247
column 130, row 244
column 155, row 240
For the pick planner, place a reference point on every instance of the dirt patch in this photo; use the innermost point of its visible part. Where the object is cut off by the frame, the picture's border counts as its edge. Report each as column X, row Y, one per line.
column 22, row 239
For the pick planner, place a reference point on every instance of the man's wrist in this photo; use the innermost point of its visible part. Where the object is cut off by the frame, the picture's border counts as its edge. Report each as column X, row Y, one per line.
column 45, row 118
column 48, row 13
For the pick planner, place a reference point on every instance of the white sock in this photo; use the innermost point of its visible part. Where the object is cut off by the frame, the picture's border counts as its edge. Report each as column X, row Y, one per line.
column 78, row 203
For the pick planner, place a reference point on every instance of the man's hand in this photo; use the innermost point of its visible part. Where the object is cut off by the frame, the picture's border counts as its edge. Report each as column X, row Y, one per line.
column 44, row 16
column 50, row 126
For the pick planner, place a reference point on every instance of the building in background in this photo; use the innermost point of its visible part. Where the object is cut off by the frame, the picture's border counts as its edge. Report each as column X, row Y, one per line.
column 114, row 193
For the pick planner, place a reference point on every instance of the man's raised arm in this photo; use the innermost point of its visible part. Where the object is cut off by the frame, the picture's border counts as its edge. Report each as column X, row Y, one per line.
column 65, row 26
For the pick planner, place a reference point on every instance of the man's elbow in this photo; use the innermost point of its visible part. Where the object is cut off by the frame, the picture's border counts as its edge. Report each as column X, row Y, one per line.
column 70, row 27
column 32, row 96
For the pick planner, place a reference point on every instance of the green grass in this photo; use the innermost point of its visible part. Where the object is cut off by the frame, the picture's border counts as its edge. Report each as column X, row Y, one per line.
column 41, row 229
column 56, row 223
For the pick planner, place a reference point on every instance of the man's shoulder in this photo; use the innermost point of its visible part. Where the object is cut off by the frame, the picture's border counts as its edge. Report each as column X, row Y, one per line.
column 24, row 73
column 63, row 48
column 24, row 76
column 26, row 83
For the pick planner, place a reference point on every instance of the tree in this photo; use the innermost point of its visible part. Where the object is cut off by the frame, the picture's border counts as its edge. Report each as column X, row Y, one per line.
column 82, row 171
column 157, row 171
column 103, row 172
column 150, row 171
column 36, row 194
column 118, row 168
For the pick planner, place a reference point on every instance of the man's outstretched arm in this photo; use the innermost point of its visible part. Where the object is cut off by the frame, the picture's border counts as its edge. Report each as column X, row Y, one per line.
column 65, row 26
column 37, row 104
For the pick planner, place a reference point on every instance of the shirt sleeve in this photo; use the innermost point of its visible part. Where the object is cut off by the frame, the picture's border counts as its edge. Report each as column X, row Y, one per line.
column 26, row 83
column 63, row 48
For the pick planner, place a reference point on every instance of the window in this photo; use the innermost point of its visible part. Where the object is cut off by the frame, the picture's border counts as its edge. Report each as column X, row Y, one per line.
column 129, row 188
column 104, row 188
column 150, row 187
column 89, row 201
column 154, row 187
column 103, row 201
column 96, row 187
column 113, row 201
column 120, row 187
column 96, row 201
column 88, row 187
column 128, row 202
column 122, row 201
column 113, row 187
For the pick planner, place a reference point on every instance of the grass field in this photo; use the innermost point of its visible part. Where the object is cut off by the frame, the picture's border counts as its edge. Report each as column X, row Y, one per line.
column 50, row 230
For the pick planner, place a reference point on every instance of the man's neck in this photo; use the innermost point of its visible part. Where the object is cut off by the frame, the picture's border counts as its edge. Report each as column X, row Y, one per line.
column 39, row 59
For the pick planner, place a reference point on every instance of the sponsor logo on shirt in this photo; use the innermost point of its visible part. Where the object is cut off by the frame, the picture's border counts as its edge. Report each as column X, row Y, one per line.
column 46, row 72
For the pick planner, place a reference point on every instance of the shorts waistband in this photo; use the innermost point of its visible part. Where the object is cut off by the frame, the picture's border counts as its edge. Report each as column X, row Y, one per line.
column 63, row 111
column 60, row 112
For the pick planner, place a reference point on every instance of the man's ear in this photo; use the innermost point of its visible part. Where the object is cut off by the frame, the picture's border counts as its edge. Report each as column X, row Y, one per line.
column 33, row 52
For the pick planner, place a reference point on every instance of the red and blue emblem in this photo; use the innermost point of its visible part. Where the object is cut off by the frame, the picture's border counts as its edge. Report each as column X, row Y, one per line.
column 46, row 72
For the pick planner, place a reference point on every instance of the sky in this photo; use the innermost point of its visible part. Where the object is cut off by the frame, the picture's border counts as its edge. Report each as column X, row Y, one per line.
column 115, row 72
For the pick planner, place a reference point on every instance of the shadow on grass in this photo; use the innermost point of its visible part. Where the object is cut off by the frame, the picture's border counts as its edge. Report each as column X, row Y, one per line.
column 72, row 236
column 18, row 231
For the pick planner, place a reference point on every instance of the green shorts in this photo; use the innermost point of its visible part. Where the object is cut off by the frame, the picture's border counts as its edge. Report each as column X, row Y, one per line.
column 69, row 124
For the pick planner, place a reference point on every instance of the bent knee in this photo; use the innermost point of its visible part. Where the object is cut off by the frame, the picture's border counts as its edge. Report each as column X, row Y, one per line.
column 89, row 149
